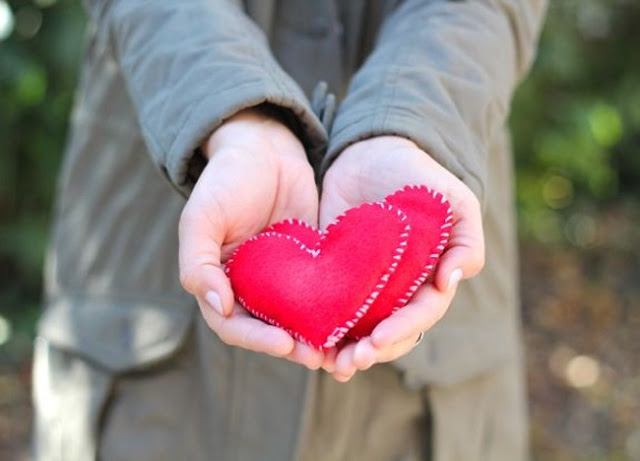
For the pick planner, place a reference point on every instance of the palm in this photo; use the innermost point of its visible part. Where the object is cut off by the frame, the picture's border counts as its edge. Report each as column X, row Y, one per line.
column 369, row 171
column 257, row 174
column 240, row 193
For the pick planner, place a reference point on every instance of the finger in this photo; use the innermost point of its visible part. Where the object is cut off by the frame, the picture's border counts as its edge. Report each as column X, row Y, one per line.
column 213, row 221
column 464, row 257
column 306, row 355
column 365, row 354
column 342, row 378
column 426, row 308
column 242, row 330
column 396, row 350
column 211, row 286
column 199, row 253
column 329, row 362
column 345, row 367
column 209, row 283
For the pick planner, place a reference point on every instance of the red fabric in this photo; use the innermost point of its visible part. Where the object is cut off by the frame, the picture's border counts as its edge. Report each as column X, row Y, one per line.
column 317, row 293
column 321, row 286
column 427, row 212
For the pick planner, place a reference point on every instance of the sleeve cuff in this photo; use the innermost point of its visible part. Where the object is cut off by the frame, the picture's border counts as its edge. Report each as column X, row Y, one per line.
column 183, row 161
column 352, row 127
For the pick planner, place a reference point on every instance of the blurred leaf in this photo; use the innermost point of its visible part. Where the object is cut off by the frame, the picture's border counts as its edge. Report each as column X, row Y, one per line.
column 577, row 115
column 606, row 124
column 32, row 86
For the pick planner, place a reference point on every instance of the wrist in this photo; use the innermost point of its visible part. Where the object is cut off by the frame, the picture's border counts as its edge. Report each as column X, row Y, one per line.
column 383, row 143
column 249, row 128
column 369, row 154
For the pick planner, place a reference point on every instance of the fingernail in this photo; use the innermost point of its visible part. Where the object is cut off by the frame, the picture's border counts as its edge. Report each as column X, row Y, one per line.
column 454, row 279
column 213, row 299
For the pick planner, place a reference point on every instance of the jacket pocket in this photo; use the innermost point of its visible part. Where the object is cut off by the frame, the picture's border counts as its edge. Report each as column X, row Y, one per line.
column 117, row 333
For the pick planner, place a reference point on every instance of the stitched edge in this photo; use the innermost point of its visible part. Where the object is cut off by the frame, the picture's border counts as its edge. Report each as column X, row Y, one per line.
column 340, row 331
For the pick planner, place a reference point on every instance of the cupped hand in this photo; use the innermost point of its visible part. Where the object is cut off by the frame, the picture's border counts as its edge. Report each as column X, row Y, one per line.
column 257, row 174
column 369, row 171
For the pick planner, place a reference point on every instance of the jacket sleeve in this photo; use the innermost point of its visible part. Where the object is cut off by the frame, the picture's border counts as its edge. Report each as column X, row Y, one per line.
column 442, row 74
column 190, row 64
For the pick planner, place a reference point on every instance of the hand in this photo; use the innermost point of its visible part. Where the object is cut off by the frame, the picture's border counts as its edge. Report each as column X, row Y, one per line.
column 369, row 171
column 257, row 174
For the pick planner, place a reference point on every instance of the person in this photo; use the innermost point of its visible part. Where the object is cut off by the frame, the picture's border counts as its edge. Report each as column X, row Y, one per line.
column 215, row 96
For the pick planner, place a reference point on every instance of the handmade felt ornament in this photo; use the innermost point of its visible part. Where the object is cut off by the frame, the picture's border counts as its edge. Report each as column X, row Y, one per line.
column 430, row 220
column 321, row 286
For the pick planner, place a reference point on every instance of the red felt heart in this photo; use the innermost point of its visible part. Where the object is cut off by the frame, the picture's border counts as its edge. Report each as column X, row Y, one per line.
column 430, row 219
column 320, row 301
column 319, row 291
column 302, row 231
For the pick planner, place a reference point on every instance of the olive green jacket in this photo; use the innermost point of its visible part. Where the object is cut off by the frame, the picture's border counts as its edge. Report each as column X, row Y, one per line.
column 158, row 77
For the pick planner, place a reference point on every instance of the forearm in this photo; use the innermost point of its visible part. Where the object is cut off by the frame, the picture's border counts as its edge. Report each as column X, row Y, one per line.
column 442, row 75
column 188, row 66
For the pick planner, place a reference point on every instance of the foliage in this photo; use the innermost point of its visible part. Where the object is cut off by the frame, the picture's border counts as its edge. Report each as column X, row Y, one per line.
column 38, row 67
column 576, row 121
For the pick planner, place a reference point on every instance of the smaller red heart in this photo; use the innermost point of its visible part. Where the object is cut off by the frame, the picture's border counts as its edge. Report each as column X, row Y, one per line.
column 317, row 290
column 430, row 218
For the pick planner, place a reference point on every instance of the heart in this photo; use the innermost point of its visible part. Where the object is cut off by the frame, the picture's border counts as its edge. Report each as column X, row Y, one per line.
column 318, row 290
column 430, row 218
column 279, row 277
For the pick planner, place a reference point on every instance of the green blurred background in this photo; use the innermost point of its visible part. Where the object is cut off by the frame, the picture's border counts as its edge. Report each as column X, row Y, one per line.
column 576, row 125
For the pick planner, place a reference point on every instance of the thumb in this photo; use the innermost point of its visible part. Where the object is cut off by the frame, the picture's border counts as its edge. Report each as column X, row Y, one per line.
column 201, row 272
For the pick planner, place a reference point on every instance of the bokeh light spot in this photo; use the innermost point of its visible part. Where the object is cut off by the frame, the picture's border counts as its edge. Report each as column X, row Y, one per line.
column 6, row 20
column 582, row 371
column 557, row 192
column 28, row 21
column 5, row 330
